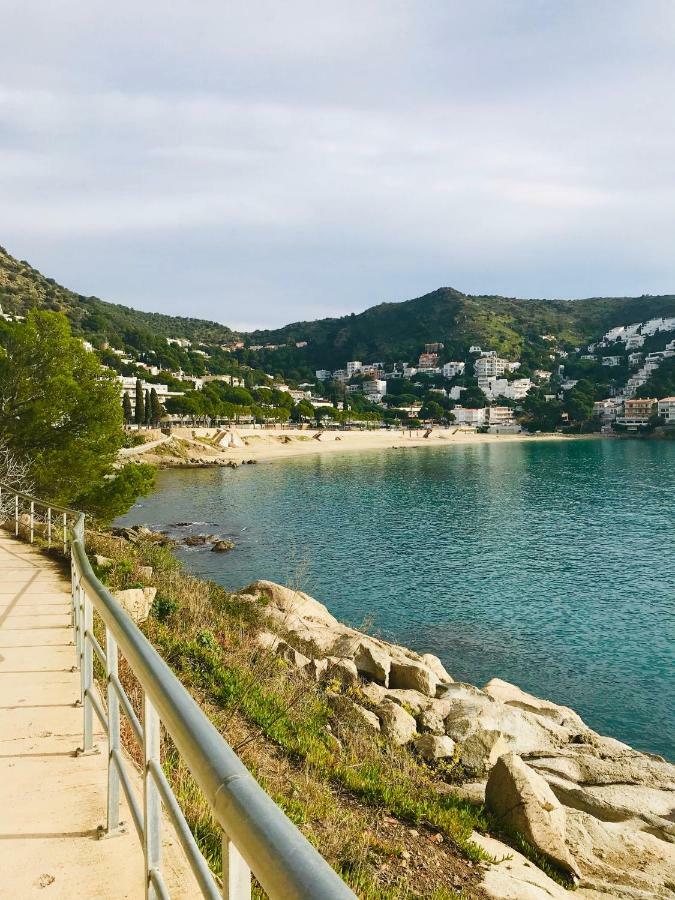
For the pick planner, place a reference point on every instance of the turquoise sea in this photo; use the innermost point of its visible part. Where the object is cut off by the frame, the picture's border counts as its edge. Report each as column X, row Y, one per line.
column 548, row 564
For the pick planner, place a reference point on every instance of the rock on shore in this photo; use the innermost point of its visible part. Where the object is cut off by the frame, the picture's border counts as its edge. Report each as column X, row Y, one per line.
column 597, row 809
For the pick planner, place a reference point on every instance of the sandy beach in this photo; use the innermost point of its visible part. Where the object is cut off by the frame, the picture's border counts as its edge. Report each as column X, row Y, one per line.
column 201, row 446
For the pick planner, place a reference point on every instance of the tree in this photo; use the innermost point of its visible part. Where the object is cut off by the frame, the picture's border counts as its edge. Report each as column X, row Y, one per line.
column 156, row 408
column 147, row 408
column 126, row 408
column 60, row 411
column 113, row 496
column 140, row 403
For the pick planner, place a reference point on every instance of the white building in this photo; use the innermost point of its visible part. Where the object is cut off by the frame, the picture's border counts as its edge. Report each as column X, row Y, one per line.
column 455, row 392
column 489, row 366
column 128, row 386
column 635, row 341
column 353, row 367
column 322, row 374
column 341, row 375
column 375, row 390
column 612, row 360
column 666, row 409
column 451, row 369
column 634, row 359
column 474, row 348
column 500, row 387
column 179, row 342
column 465, row 416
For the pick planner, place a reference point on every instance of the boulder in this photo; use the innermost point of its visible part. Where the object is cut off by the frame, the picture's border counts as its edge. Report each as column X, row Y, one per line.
column 481, row 750
column 397, row 724
column 292, row 656
column 413, row 700
column 343, row 670
column 431, row 720
column 145, row 572
column 136, row 602
column 414, row 676
column 292, row 602
column 366, row 717
column 433, row 662
column 522, row 801
column 222, row 546
column 195, row 540
column 513, row 696
column 432, row 746
column 372, row 661
column 317, row 668
column 374, row 693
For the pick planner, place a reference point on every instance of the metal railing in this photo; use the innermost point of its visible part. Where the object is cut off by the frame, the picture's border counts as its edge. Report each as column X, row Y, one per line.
column 257, row 837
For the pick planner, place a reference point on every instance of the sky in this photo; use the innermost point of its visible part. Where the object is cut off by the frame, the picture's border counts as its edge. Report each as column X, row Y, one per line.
column 258, row 163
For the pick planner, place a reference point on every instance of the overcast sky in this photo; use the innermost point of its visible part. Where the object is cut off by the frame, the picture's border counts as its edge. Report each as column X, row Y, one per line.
column 261, row 162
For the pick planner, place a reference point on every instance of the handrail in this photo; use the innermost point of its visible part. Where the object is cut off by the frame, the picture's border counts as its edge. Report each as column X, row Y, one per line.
column 258, row 838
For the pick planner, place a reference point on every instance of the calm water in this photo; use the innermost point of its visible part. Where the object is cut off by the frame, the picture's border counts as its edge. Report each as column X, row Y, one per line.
column 551, row 565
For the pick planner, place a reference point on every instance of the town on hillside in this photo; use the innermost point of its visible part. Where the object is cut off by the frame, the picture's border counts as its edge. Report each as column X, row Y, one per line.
column 622, row 382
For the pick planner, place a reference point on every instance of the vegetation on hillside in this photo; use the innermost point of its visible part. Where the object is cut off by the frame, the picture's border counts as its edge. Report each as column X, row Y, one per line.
column 60, row 415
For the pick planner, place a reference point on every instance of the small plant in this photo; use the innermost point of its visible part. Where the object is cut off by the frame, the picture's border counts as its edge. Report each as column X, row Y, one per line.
column 163, row 607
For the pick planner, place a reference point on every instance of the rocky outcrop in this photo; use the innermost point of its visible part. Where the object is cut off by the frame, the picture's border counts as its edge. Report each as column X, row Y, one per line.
column 222, row 546
column 523, row 802
column 592, row 804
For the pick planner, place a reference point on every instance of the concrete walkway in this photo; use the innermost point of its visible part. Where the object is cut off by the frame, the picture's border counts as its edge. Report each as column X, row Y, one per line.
column 52, row 802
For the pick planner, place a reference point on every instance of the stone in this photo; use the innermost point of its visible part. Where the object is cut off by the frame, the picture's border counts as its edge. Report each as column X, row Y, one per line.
column 222, row 546
column 481, row 749
column 523, row 802
column 514, row 696
column 373, row 662
column 136, row 602
column 145, row 573
column 413, row 676
column 513, row 877
column 343, row 670
column 413, row 700
column 292, row 602
column 317, row 668
column 267, row 640
column 195, row 540
column 374, row 693
column 366, row 717
column 433, row 662
column 292, row 656
column 432, row 746
column 397, row 724
column 103, row 562
column 431, row 720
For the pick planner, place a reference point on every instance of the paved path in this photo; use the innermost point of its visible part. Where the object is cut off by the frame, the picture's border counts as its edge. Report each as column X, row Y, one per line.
column 51, row 802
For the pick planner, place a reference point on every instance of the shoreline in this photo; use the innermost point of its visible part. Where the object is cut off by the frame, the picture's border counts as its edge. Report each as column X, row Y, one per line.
column 199, row 447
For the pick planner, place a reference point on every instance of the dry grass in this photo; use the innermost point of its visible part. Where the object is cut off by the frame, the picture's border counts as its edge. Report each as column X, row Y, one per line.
column 371, row 809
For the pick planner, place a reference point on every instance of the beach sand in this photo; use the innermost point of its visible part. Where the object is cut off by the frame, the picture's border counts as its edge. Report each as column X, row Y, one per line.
column 196, row 446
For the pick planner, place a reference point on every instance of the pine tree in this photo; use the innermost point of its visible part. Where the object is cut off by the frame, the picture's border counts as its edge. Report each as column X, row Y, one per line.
column 140, row 403
column 126, row 408
column 156, row 407
column 148, row 408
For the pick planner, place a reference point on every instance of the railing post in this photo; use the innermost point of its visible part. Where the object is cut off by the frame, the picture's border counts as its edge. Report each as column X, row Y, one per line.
column 236, row 874
column 32, row 520
column 49, row 526
column 65, row 534
column 111, row 656
column 88, row 672
column 16, row 515
column 152, row 804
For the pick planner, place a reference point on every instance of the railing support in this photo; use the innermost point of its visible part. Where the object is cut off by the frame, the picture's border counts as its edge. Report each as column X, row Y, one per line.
column 88, row 673
column 152, row 804
column 32, row 520
column 111, row 657
column 236, row 874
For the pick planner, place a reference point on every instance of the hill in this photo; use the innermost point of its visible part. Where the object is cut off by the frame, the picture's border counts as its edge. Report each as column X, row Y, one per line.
column 514, row 327
column 22, row 288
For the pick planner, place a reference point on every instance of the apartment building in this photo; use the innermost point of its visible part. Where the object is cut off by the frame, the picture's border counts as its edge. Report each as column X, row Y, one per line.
column 666, row 409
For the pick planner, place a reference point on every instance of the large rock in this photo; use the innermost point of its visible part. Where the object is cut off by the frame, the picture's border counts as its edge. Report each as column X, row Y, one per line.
column 367, row 718
column 522, row 801
column 373, row 662
column 343, row 670
column 292, row 656
column 292, row 602
column 414, row 676
column 432, row 747
column 397, row 724
column 136, row 602
column 513, row 696
column 481, row 750
column 433, row 662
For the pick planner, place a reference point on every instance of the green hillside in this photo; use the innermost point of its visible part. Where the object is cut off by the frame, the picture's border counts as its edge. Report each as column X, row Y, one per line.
column 394, row 331
column 22, row 288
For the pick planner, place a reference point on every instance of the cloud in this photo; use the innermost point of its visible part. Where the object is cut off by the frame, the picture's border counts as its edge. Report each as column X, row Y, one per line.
column 265, row 162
